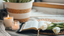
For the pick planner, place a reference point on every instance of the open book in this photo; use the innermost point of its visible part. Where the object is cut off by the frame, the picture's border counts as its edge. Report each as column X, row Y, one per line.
column 33, row 25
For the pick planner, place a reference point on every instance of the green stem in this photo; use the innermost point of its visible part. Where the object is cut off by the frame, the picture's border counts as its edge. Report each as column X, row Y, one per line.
column 20, row 1
column 12, row 0
column 5, row 0
column 15, row 1
column 61, row 28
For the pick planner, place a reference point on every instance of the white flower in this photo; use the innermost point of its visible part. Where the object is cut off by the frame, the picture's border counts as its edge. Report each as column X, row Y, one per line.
column 56, row 30
column 44, row 27
column 48, row 23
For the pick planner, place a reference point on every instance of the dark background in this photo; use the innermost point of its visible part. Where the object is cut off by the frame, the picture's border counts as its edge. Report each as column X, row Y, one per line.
column 3, row 13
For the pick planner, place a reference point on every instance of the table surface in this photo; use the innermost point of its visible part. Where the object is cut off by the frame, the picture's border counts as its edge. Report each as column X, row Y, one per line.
column 13, row 33
column 40, row 16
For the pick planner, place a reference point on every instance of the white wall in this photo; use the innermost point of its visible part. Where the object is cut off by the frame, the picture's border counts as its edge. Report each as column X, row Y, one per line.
column 1, row 4
column 58, row 1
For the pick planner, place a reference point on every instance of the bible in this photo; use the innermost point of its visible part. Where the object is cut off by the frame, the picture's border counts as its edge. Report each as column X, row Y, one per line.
column 35, row 25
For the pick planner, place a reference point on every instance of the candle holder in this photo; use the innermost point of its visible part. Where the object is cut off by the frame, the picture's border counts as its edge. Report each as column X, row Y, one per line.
column 15, row 25
column 8, row 21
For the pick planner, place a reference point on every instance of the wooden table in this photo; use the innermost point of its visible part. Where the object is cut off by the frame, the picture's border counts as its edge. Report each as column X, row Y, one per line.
column 40, row 16
column 13, row 33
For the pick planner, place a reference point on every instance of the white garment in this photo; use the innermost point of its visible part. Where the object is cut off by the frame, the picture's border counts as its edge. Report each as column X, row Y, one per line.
column 2, row 30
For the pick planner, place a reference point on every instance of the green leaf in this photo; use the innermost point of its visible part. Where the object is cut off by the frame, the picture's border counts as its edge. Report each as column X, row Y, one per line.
column 62, row 28
column 5, row 0
column 61, row 25
column 50, row 28
column 10, row 1
column 15, row 1
column 18, row 1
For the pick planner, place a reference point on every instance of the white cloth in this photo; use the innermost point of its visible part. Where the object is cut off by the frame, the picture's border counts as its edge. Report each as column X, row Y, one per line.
column 2, row 30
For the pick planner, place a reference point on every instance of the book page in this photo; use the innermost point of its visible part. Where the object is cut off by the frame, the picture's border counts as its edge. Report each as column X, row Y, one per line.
column 31, row 24
column 41, row 23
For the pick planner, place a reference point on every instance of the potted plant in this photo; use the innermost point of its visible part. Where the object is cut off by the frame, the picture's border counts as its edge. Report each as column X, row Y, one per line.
column 19, row 9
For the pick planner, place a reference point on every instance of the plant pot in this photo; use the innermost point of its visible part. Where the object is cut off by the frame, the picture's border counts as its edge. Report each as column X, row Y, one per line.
column 20, row 11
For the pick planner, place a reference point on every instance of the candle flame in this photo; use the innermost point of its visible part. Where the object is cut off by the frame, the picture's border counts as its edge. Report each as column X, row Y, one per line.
column 15, row 24
column 8, row 15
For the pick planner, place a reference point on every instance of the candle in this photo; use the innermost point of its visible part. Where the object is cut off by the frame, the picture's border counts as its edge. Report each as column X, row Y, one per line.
column 15, row 26
column 8, row 21
column 1, row 4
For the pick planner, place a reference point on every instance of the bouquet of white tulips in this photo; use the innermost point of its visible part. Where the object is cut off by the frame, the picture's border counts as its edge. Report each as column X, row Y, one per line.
column 55, row 27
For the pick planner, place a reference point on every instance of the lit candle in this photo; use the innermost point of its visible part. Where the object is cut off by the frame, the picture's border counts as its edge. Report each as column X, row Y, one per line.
column 15, row 26
column 8, row 21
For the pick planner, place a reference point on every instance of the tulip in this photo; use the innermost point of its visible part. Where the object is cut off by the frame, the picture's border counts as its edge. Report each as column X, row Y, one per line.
column 48, row 23
column 44, row 27
column 56, row 30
